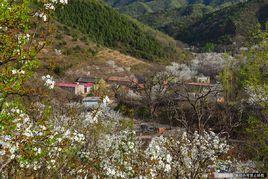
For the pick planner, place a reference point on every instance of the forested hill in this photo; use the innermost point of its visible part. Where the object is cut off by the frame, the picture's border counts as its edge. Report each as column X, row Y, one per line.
column 108, row 27
column 138, row 8
column 176, row 21
column 229, row 27
column 225, row 29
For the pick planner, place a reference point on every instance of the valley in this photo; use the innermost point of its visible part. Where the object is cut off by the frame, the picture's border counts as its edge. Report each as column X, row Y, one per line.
column 217, row 25
column 133, row 89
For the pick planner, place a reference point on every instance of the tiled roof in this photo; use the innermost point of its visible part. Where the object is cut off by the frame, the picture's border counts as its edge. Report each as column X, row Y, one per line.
column 66, row 84
column 87, row 79
column 88, row 84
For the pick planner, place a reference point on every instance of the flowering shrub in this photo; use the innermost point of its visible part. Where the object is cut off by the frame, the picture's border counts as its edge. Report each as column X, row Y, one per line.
column 49, row 82
column 160, row 156
column 103, row 111
column 181, row 71
column 28, row 143
column 236, row 166
column 40, row 146
column 187, row 155
column 119, row 155
column 33, row 145
column 258, row 95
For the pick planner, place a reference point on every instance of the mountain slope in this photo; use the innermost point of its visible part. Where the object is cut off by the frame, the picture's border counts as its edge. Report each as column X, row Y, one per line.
column 231, row 26
column 70, row 55
column 137, row 8
column 214, row 3
column 175, row 21
column 108, row 27
column 227, row 28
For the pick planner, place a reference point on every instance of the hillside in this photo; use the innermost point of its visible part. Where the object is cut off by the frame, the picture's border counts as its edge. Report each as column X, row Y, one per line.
column 137, row 8
column 225, row 29
column 106, row 26
column 214, row 3
column 228, row 28
column 176, row 21
column 71, row 55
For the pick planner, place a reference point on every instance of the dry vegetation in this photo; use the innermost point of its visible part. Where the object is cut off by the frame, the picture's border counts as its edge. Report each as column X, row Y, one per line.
column 81, row 57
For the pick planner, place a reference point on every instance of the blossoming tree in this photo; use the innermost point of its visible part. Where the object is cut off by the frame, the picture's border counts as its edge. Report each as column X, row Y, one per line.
column 28, row 142
column 37, row 141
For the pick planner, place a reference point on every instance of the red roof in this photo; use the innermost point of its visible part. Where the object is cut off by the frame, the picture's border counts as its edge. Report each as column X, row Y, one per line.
column 88, row 84
column 64, row 84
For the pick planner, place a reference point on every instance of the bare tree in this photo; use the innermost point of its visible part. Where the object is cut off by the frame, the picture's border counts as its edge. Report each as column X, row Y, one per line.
column 200, row 100
column 154, row 91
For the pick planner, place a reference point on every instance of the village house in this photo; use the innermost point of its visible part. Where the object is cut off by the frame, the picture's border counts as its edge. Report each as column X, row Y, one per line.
column 76, row 88
column 125, row 81
column 91, row 102
column 71, row 87
column 203, row 79
column 200, row 82
column 84, row 80
column 88, row 87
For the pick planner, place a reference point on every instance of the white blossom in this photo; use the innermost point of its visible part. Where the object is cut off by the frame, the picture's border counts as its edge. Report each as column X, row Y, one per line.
column 15, row 72
column 257, row 94
column 41, row 15
column 49, row 6
column 49, row 82
column 181, row 71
